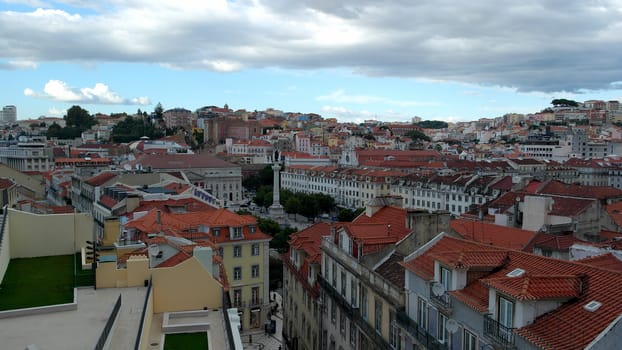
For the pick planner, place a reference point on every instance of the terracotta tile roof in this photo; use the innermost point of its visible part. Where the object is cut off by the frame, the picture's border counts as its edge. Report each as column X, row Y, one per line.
column 6, row 183
column 488, row 233
column 101, row 178
column 565, row 206
column 190, row 205
column 370, row 235
column 107, row 201
column 605, row 261
column 181, row 224
column 392, row 271
column 581, row 191
column 474, row 296
column 615, row 212
column 527, row 287
column 560, row 243
column 476, row 259
column 309, row 240
column 387, row 215
column 176, row 259
column 544, row 278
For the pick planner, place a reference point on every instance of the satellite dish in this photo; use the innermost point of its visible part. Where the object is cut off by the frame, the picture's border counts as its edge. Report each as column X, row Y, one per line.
column 438, row 289
column 154, row 249
column 452, row 325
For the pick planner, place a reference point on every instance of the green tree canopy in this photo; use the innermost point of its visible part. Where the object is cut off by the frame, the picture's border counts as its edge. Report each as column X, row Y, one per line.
column 79, row 118
column 417, row 135
column 562, row 102
column 432, row 124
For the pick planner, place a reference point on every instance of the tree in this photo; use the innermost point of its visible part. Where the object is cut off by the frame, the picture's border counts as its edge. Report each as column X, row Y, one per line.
column 417, row 135
column 54, row 130
column 432, row 124
column 159, row 112
column 562, row 102
column 79, row 118
column 347, row 215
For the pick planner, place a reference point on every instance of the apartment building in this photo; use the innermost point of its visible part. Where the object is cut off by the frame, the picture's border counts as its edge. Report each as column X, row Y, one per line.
column 350, row 187
column 28, row 155
column 361, row 281
column 453, row 193
column 220, row 178
column 302, row 305
column 467, row 295
column 237, row 240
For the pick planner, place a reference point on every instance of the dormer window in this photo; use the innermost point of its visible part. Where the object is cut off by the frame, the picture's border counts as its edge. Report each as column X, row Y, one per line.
column 216, row 231
column 237, row 233
column 445, row 278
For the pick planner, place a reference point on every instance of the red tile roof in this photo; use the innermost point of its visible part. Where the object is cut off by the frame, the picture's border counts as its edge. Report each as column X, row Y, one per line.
column 605, row 261
column 582, row 191
column 539, row 287
column 576, row 283
column 101, row 178
column 488, row 233
column 560, row 243
column 387, row 215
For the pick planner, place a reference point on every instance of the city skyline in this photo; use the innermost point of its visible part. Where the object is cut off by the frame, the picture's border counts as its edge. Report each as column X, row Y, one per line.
column 352, row 61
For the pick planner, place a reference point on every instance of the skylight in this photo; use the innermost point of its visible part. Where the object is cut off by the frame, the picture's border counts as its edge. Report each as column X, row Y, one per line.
column 592, row 305
column 516, row 273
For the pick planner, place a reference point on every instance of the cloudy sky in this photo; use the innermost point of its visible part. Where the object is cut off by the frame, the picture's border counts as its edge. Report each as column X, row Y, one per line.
column 354, row 60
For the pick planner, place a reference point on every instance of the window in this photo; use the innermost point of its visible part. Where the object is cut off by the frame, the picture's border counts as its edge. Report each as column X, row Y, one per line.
column 353, row 335
column 364, row 303
column 342, row 324
column 216, row 231
column 506, row 313
column 422, row 313
column 353, row 293
column 378, row 314
column 394, row 332
column 237, row 273
column 445, row 276
column 255, row 271
column 255, row 249
column 442, row 335
column 333, row 311
column 343, row 284
column 469, row 341
column 237, row 232
column 255, row 296
column 334, row 275
column 252, row 229
column 237, row 251
column 237, row 297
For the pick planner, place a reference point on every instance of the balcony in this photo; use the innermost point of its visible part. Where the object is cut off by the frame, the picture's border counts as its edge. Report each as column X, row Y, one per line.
column 441, row 300
column 497, row 332
column 419, row 333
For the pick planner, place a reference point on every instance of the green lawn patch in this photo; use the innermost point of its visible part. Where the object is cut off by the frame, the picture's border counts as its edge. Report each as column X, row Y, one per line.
column 31, row 282
column 186, row 341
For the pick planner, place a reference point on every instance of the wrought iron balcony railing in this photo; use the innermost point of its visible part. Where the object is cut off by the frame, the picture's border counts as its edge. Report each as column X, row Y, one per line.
column 498, row 332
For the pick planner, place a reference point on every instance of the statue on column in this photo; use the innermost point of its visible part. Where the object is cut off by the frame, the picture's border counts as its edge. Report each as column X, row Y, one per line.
column 276, row 209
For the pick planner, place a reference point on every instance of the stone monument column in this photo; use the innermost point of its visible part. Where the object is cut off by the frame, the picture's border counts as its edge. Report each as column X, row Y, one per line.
column 276, row 209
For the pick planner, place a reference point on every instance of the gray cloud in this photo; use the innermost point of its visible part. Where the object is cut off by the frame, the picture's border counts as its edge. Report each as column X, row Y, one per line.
column 531, row 45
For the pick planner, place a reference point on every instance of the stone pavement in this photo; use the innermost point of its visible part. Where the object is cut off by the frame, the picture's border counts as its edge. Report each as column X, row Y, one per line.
column 259, row 340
